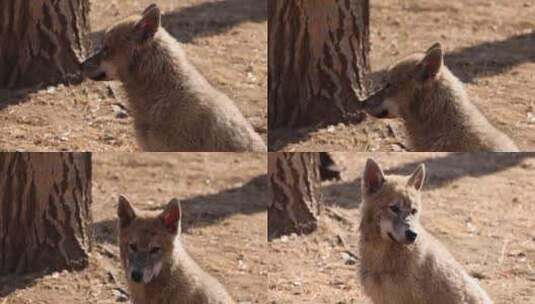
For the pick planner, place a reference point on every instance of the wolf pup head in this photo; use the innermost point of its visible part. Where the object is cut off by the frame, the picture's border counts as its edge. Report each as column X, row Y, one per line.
column 120, row 44
column 392, row 203
column 404, row 80
column 146, row 240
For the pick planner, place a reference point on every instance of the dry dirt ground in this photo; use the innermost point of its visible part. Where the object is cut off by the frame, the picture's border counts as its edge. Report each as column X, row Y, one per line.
column 224, row 225
column 479, row 205
column 225, row 39
column 489, row 46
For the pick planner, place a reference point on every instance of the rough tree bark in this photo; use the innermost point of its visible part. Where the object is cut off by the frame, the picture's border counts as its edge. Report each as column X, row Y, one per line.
column 294, row 202
column 317, row 59
column 45, row 218
column 42, row 41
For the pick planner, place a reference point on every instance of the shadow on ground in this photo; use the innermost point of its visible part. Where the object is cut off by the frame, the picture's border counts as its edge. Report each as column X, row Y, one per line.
column 213, row 18
column 491, row 58
column 347, row 195
column 205, row 210
column 207, row 19
column 12, row 282
column 279, row 138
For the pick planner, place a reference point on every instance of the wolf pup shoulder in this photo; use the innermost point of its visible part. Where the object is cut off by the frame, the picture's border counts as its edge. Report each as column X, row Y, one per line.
column 158, row 269
column 174, row 107
column 400, row 262
column 434, row 107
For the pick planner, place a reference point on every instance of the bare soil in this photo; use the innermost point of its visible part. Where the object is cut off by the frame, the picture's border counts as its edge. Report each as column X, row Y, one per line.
column 489, row 46
column 224, row 225
column 479, row 205
column 225, row 39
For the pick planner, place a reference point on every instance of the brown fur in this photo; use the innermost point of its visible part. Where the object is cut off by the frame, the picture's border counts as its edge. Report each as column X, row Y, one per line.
column 174, row 107
column 435, row 108
column 180, row 280
column 394, row 270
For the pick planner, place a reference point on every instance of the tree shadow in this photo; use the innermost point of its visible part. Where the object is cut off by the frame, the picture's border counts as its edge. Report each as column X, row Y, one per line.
column 204, row 210
column 439, row 172
column 491, row 58
column 12, row 282
column 14, row 97
column 485, row 59
column 212, row 18
column 280, row 138
column 206, row 19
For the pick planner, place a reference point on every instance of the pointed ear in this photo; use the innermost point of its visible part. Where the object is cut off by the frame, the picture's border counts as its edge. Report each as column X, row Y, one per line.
column 125, row 212
column 171, row 216
column 417, row 178
column 148, row 8
column 373, row 177
column 432, row 62
column 147, row 26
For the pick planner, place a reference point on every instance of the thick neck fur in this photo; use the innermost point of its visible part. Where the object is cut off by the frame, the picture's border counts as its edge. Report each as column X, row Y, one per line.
column 160, row 66
column 441, row 117
column 176, row 109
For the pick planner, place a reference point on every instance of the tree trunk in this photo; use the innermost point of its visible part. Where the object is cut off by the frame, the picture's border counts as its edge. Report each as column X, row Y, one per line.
column 45, row 218
column 317, row 59
column 42, row 41
column 294, row 201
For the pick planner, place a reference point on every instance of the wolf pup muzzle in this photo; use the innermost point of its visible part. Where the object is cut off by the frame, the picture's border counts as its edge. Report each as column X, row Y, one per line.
column 373, row 105
column 91, row 67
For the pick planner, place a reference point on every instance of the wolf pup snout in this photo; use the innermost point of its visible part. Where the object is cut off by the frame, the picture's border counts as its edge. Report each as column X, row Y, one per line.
column 411, row 236
column 136, row 276
column 376, row 106
column 92, row 69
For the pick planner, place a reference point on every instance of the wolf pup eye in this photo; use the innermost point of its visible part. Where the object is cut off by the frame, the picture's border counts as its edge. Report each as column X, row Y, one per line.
column 395, row 209
column 155, row 250
column 133, row 247
column 414, row 211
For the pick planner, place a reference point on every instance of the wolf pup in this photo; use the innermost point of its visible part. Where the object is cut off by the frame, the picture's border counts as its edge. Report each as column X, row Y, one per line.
column 158, row 269
column 174, row 107
column 400, row 262
column 434, row 107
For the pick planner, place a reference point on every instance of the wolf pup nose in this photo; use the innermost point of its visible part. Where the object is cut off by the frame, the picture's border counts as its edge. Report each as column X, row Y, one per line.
column 411, row 236
column 174, row 107
column 136, row 276
column 158, row 268
column 434, row 107
column 400, row 262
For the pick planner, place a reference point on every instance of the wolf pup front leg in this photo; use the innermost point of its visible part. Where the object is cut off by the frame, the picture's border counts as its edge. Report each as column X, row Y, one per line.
column 173, row 105
column 401, row 263
column 158, row 268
